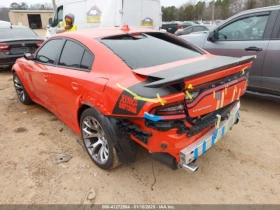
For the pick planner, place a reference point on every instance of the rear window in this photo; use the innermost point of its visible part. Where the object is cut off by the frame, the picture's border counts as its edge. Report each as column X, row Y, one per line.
column 16, row 33
column 147, row 50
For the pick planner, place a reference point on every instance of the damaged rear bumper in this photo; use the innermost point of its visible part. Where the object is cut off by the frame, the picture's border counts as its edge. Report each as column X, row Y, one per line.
column 189, row 154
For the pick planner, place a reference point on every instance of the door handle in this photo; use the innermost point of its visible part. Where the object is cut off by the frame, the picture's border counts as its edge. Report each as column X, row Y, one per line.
column 253, row 49
column 75, row 85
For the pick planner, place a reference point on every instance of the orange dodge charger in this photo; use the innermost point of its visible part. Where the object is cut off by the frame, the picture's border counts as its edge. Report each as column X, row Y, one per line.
column 120, row 88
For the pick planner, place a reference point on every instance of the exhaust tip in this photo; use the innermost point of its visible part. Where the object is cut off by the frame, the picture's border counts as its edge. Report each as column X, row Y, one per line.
column 191, row 167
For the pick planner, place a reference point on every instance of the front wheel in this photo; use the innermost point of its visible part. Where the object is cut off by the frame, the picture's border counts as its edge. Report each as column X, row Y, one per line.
column 96, row 139
column 20, row 90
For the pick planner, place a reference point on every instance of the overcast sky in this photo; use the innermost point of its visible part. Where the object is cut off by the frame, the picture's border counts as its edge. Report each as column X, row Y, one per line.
column 7, row 3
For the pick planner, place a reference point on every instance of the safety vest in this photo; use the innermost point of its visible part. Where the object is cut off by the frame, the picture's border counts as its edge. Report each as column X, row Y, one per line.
column 63, row 24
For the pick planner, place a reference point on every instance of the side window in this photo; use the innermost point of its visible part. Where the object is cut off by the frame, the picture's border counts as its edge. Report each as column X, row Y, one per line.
column 87, row 60
column 249, row 28
column 71, row 55
column 198, row 28
column 189, row 30
column 48, row 53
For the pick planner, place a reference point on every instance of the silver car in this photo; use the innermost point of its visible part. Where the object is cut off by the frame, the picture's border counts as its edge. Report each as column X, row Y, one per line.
column 252, row 32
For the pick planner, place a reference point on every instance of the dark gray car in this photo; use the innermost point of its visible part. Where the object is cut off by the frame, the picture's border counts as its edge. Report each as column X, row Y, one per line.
column 252, row 32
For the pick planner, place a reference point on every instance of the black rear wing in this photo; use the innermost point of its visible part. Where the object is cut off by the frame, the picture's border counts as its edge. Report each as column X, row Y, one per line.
column 191, row 70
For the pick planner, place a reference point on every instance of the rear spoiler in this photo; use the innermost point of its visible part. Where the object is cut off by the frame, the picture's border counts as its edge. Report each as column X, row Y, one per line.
column 191, row 70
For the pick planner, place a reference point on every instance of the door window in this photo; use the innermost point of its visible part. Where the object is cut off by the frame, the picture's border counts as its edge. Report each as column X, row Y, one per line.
column 198, row 28
column 188, row 31
column 71, row 55
column 75, row 56
column 249, row 28
column 48, row 53
column 86, row 61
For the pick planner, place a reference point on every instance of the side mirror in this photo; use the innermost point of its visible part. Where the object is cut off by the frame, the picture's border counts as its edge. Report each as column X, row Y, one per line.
column 211, row 36
column 28, row 56
column 50, row 21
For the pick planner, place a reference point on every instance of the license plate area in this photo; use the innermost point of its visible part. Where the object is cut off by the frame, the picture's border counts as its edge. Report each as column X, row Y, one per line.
column 199, row 147
column 23, row 49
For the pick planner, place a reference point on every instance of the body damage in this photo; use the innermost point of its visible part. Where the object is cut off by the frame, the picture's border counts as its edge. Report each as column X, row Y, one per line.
column 210, row 100
column 206, row 86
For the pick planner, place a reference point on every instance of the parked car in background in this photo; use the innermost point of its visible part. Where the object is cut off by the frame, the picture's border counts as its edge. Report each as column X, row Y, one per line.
column 4, row 23
column 171, row 27
column 187, row 24
column 191, row 29
column 15, row 41
column 174, row 26
column 218, row 22
column 196, row 22
column 252, row 32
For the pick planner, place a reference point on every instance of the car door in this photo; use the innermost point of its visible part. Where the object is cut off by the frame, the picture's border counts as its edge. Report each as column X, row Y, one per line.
column 244, row 35
column 39, row 74
column 66, row 79
column 271, row 71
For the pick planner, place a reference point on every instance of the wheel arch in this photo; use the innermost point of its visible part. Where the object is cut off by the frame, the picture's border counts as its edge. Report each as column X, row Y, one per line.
column 122, row 142
column 81, row 109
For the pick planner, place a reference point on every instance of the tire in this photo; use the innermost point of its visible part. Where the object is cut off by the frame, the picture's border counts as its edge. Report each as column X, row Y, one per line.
column 97, row 139
column 20, row 90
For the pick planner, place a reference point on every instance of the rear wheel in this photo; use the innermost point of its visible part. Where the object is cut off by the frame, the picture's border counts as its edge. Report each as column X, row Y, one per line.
column 96, row 139
column 20, row 90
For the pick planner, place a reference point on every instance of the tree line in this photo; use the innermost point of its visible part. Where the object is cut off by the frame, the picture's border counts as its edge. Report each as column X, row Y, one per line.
column 24, row 6
column 202, row 10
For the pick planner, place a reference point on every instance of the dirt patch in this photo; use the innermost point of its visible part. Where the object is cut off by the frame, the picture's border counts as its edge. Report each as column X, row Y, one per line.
column 20, row 130
column 242, row 168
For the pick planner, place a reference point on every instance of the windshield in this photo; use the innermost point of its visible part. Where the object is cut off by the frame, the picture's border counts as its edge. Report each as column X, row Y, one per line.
column 147, row 50
column 17, row 33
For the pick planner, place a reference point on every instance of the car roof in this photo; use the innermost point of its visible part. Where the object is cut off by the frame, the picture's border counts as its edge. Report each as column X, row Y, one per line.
column 95, row 33
column 262, row 9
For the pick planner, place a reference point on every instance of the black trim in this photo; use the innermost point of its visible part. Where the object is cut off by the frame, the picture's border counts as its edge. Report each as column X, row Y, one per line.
column 127, row 127
column 143, row 91
column 276, row 30
column 165, row 125
column 191, row 70
column 206, row 121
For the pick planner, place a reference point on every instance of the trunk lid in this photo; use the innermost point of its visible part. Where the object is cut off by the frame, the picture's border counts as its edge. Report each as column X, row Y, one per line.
column 19, row 47
column 208, row 84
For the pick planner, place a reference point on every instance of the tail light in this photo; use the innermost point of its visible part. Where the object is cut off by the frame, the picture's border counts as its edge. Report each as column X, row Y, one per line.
column 174, row 109
column 39, row 44
column 178, row 26
column 190, row 96
column 4, row 47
